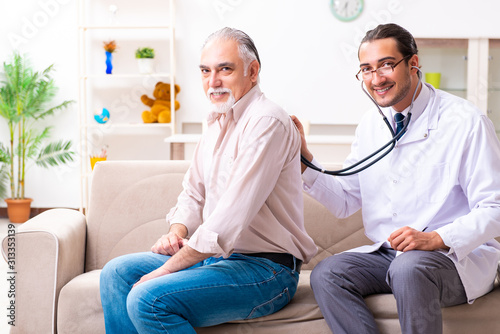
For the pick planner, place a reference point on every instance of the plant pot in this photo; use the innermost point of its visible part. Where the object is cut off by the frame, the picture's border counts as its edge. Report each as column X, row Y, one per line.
column 145, row 65
column 18, row 210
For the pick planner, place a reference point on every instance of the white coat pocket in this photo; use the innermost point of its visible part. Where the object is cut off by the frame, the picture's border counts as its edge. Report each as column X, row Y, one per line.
column 433, row 182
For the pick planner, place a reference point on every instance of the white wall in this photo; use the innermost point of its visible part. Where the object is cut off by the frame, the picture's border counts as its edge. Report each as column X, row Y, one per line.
column 308, row 57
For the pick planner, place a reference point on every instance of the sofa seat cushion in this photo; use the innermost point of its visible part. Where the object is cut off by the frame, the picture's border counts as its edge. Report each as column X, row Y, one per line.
column 79, row 307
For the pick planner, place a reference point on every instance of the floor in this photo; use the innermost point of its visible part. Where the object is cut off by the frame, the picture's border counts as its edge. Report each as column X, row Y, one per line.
column 4, row 285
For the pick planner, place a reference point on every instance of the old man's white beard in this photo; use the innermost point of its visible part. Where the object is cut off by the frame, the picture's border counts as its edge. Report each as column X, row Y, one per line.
column 224, row 107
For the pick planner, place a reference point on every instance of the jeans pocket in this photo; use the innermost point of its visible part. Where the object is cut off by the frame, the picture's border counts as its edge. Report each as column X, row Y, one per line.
column 271, row 306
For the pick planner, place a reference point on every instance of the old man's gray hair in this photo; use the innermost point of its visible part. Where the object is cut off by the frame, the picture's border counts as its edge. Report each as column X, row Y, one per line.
column 246, row 46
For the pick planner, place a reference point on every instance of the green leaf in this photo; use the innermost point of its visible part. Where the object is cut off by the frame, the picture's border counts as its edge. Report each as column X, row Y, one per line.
column 35, row 141
column 4, row 177
column 55, row 153
column 4, row 170
column 145, row 53
column 4, row 154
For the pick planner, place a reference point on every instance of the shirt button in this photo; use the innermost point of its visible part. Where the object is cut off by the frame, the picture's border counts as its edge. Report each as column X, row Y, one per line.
column 394, row 214
column 394, row 181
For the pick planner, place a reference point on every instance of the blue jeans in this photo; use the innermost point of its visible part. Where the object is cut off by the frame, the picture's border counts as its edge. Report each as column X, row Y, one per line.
column 214, row 291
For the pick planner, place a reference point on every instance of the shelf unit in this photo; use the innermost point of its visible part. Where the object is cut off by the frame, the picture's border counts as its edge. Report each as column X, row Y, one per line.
column 493, row 103
column 125, row 78
column 448, row 56
column 469, row 69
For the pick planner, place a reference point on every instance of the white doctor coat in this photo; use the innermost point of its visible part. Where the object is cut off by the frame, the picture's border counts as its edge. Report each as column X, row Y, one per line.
column 443, row 176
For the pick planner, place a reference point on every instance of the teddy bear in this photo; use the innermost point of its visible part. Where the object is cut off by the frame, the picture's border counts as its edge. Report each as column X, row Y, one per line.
column 160, row 106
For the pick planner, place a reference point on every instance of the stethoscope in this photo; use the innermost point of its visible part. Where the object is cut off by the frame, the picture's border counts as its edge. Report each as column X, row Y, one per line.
column 392, row 143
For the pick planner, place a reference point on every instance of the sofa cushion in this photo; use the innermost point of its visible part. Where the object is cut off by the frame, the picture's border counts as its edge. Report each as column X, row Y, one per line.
column 79, row 309
column 331, row 234
column 128, row 214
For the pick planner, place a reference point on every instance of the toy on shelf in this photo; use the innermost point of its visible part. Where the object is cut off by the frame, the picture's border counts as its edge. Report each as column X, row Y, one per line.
column 103, row 117
column 160, row 111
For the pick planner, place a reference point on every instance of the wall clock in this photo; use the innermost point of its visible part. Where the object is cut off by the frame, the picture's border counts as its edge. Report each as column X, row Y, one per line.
column 346, row 10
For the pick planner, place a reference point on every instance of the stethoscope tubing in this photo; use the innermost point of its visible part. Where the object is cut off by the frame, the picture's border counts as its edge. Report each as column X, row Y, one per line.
column 392, row 143
column 348, row 170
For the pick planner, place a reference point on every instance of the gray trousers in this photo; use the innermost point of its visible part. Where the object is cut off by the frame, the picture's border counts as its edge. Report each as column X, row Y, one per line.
column 422, row 282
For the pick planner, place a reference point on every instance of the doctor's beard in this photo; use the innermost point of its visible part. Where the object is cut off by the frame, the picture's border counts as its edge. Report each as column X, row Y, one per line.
column 224, row 107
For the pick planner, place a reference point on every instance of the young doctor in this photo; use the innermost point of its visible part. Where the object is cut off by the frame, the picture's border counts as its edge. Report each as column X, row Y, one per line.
column 431, row 206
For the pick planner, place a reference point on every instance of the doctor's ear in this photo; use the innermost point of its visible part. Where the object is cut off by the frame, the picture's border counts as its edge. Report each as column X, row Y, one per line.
column 418, row 72
column 413, row 62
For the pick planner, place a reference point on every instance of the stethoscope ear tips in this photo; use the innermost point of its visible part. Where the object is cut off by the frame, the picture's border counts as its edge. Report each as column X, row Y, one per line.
column 419, row 71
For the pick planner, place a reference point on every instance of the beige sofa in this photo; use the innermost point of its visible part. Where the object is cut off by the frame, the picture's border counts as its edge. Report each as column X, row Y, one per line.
column 59, row 255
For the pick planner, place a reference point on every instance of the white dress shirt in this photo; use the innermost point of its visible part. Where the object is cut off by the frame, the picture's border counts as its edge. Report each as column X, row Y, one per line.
column 243, row 191
column 443, row 176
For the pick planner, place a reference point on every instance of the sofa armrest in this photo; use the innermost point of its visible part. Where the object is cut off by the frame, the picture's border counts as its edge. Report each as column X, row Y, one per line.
column 49, row 251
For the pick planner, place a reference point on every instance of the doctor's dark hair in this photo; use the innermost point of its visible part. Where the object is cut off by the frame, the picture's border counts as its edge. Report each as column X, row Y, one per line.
column 405, row 42
column 246, row 46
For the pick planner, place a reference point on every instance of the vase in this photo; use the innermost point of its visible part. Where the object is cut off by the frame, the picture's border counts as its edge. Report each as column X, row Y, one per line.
column 109, row 64
column 18, row 210
column 145, row 65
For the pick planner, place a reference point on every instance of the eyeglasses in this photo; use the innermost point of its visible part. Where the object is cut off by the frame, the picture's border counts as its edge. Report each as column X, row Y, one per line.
column 385, row 69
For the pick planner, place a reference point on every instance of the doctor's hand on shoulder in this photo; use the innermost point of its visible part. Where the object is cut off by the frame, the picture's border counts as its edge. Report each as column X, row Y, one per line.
column 406, row 238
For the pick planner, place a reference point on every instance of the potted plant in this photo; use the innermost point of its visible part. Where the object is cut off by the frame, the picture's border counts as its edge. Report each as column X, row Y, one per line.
column 145, row 59
column 24, row 101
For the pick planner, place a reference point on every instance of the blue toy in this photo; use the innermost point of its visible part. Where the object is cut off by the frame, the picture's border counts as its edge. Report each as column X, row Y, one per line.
column 103, row 117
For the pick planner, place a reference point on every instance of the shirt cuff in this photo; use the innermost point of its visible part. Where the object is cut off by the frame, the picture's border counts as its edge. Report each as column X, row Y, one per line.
column 176, row 216
column 206, row 241
column 446, row 240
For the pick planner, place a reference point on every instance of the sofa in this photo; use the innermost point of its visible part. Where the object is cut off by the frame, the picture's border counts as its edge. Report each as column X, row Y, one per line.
column 60, row 253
